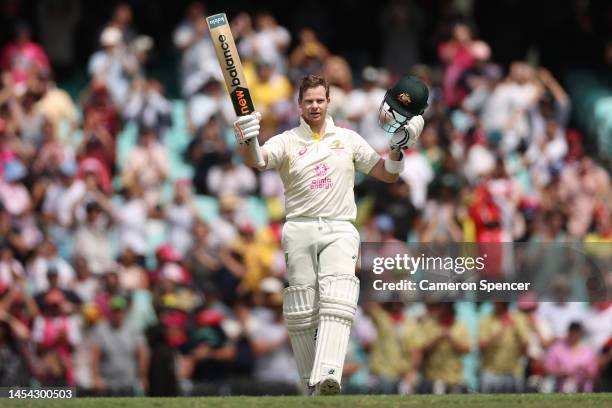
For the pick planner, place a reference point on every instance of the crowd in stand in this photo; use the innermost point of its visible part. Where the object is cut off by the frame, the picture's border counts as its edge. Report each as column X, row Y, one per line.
column 88, row 299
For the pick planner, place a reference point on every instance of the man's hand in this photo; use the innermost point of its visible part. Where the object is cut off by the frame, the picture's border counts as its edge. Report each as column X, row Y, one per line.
column 407, row 135
column 247, row 127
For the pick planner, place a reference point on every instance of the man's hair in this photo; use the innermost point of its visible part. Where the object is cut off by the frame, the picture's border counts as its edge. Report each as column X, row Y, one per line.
column 313, row 81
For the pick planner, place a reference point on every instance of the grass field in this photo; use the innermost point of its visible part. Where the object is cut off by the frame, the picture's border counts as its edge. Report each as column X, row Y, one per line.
column 353, row 401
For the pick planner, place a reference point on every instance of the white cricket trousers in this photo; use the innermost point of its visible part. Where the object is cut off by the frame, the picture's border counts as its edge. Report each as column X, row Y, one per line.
column 317, row 249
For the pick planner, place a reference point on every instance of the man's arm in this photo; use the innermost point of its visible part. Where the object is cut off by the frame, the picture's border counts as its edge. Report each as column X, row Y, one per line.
column 380, row 172
column 249, row 157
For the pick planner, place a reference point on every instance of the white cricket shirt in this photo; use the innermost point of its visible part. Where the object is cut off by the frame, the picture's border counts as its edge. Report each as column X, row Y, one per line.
column 318, row 172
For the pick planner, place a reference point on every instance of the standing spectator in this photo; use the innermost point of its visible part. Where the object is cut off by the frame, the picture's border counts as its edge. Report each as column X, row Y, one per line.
column 198, row 59
column 119, row 354
column 23, row 56
column 502, row 340
column 274, row 365
column 210, row 354
column 14, row 337
column 149, row 108
column 269, row 42
column 55, row 334
column 572, row 363
column 447, row 340
column 114, row 65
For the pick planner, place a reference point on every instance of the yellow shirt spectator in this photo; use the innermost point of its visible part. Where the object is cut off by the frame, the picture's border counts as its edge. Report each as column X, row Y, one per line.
column 503, row 339
column 443, row 349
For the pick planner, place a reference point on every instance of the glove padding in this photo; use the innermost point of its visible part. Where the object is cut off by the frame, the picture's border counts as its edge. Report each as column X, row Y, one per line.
column 247, row 127
column 407, row 135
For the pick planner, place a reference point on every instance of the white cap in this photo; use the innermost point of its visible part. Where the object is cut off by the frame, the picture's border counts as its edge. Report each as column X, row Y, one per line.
column 110, row 36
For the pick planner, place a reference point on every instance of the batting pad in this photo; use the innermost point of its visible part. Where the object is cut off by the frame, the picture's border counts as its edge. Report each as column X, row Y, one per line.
column 337, row 309
column 302, row 322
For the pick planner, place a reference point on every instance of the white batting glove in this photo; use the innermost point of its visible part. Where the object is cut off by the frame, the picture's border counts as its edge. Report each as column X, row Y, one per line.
column 407, row 135
column 247, row 127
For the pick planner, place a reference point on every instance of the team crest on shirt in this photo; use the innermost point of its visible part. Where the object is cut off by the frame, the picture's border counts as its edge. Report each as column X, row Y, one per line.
column 321, row 169
column 336, row 145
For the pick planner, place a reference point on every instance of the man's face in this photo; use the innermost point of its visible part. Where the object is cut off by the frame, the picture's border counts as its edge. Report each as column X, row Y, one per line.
column 313, row 105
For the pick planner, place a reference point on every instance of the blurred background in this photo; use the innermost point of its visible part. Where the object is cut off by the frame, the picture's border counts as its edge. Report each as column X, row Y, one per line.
column 139, row 256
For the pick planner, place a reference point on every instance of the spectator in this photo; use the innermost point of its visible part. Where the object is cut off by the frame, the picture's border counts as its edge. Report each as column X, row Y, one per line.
column 48, row 260
column 274, row 366
column 502, row 340
column 181, row 215
column 148, row 107
column 446, row 341
column 147, row 166
column 210, row 354
column 119, row 355
column 92, row 241
column 55, row 335
column 14, row 336
column 228, row 177
column 22, row 56
column 114, row 65
column 85, row 285
column 198, row 60
column 572, row 363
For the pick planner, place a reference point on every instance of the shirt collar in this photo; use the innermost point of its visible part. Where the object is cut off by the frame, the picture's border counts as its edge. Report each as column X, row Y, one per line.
column 306, row 131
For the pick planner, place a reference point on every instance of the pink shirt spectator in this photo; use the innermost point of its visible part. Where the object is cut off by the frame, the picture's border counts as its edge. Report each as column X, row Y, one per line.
column 574, row 367
column 21, row 58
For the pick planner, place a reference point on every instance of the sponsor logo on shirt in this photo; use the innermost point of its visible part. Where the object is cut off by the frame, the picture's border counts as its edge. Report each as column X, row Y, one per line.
column 302, row 151
column 321, row 169
column 324, row 183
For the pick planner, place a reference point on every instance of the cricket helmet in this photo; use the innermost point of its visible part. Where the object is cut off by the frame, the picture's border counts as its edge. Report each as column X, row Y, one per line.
column 407, row 98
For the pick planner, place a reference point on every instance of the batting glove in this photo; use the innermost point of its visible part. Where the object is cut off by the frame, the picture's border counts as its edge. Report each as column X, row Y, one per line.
column 247, row 127
column 407, row 135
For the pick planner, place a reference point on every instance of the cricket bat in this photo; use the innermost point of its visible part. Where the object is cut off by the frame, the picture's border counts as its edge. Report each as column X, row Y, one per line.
column 236, row 85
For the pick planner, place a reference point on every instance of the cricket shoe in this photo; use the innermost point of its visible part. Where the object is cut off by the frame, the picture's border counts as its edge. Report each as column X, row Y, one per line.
column 329, row 386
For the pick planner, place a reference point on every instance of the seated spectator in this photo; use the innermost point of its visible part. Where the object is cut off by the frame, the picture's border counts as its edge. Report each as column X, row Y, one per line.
column 92, row 240
column 147, row 166
column 85, row 285
column 572, row 363
column 181, row 214
column 48, row 260
column 228, row 177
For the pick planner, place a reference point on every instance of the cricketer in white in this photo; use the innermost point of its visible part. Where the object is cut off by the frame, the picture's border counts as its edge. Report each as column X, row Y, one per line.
column 317, row 162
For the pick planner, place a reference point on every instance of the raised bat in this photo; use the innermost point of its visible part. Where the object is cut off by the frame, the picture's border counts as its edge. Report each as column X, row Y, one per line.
column 236, row 85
